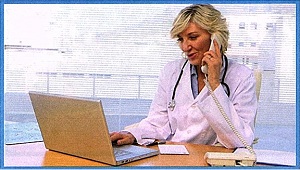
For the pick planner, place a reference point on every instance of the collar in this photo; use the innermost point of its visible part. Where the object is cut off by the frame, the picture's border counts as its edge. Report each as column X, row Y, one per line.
column 193, row 70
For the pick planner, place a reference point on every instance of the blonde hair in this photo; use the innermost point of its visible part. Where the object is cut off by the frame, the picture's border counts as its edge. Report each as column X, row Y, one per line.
column 207, row 17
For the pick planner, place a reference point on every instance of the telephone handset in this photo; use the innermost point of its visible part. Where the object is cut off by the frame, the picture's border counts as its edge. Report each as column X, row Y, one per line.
column 213, row 37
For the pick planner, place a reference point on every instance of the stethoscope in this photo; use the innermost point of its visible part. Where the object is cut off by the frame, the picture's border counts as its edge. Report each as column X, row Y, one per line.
column 172, row 103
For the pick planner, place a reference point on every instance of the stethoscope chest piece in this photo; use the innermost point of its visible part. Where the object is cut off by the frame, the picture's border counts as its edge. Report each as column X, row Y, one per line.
column 171, row 105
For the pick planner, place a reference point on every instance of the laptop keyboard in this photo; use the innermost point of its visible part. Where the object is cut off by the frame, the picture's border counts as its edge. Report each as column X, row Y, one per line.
column 120, row 152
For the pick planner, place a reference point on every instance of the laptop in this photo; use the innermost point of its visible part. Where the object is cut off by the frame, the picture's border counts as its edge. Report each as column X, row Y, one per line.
column 78, row 127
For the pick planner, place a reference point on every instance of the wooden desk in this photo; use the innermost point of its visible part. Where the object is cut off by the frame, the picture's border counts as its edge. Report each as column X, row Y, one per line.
column 35, row 154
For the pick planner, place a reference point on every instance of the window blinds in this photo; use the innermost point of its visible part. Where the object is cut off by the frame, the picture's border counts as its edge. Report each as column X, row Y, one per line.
column 116, row 51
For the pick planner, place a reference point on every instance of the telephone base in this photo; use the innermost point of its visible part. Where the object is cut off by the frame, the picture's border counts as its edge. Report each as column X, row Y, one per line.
column 229, row 159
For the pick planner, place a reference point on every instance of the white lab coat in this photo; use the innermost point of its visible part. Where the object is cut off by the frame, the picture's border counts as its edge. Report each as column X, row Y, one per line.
column 199, row 120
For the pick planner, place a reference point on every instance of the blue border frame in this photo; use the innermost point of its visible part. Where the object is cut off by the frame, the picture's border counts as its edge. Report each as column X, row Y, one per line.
column 297, row 2
column 2, row 85
column 297, row 84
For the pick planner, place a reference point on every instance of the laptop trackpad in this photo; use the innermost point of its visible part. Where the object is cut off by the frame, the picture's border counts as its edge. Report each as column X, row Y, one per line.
column 131, row 152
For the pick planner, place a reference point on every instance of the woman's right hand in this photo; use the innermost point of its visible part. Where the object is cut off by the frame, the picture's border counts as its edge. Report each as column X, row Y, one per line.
column 122, row 138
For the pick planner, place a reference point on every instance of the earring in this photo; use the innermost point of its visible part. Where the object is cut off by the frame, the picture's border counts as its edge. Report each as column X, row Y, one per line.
column 183, row 54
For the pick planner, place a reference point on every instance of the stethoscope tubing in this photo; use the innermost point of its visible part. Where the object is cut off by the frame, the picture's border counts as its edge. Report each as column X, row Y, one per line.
column 227, row 90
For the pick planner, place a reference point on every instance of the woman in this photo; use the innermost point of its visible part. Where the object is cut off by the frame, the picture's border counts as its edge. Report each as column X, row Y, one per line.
column 195, row 117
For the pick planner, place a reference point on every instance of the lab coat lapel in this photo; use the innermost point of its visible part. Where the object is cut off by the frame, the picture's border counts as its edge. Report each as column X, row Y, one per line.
column 187, row 87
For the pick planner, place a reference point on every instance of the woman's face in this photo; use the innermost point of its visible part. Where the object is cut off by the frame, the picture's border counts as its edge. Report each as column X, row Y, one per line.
column 194, row 41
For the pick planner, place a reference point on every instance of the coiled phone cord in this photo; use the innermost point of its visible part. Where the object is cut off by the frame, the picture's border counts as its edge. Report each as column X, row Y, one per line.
column 235, row 131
